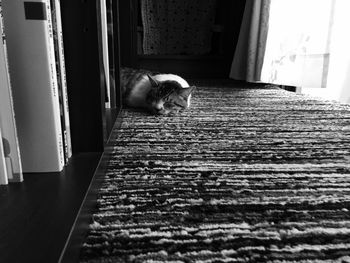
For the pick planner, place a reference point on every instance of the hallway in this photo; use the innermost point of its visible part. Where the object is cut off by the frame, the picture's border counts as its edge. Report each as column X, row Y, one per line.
column 248, row 173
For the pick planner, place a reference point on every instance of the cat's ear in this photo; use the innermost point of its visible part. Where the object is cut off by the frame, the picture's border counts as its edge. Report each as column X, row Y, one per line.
column 185, row 92
column 154, row 83
column 193, row 88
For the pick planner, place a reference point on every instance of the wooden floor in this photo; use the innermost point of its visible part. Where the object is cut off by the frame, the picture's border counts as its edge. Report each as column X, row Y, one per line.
column 36, row 216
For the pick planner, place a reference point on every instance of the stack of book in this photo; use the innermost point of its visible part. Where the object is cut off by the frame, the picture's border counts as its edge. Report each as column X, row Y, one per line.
column 34, row 112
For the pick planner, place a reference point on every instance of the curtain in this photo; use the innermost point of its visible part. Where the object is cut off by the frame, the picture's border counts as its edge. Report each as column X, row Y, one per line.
column 338, row 77
column 298, row 43
column 249, row 54
column 302, row 43
column 177, row 26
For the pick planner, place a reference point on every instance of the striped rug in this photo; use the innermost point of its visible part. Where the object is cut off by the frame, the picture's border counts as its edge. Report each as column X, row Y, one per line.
column 249, row 174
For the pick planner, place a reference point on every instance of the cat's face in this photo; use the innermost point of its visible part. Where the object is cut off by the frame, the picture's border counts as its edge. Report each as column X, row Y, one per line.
column 168, row 97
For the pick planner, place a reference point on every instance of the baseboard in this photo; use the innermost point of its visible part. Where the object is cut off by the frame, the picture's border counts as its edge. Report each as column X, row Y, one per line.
column 79, row 229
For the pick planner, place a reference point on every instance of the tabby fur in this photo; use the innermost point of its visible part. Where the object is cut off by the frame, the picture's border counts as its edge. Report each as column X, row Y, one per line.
column 157, row 93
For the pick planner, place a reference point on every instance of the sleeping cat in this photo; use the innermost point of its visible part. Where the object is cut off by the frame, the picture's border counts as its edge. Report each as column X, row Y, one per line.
column 158, row 93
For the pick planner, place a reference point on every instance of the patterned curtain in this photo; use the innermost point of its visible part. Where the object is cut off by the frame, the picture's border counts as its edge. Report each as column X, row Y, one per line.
column 177, row 26
column 249, row 54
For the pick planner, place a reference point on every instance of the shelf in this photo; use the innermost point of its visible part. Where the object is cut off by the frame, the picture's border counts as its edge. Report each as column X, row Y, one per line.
column 37, row 215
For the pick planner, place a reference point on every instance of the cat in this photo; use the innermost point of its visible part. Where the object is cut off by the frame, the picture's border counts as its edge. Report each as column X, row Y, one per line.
column 160, row 94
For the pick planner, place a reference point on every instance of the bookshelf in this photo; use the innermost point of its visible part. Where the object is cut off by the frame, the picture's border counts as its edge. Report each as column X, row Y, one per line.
column 85, row 76
column 38, row 215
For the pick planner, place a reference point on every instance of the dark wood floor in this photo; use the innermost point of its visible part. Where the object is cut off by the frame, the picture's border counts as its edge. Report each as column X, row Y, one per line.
column 36, row 216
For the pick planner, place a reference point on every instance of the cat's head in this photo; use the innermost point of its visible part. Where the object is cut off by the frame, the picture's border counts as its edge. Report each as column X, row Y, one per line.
column 168, row 96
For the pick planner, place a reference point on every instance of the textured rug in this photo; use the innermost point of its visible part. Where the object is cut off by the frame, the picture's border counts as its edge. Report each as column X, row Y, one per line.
column 246, row 175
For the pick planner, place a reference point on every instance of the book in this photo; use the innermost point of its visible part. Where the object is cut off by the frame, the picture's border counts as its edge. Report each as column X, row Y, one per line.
column 3, row 171
column 111, row 55
column 104, row 49
column 61, row 77
column 32, row 67
column 7, row 116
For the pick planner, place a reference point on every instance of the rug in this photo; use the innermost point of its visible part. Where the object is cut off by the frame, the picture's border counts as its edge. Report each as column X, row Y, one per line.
column 247, row 174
